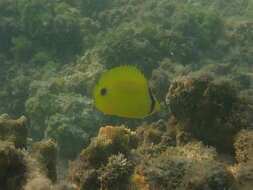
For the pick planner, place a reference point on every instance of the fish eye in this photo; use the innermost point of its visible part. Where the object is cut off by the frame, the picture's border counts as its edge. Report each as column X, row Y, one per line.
column 103, row 91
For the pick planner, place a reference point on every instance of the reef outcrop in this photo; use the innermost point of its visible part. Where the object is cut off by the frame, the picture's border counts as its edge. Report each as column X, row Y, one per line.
column 205, row 144
column 209, row 110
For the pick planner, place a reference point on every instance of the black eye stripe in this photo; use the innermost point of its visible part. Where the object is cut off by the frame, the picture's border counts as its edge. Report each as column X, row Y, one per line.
column 103, row 91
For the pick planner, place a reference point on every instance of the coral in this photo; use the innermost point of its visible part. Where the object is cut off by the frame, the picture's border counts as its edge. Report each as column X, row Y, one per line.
column 46, row 154
column 207, row 109
column 244, row 146
column 14, row 130
column 116, row 173
column 13, row 167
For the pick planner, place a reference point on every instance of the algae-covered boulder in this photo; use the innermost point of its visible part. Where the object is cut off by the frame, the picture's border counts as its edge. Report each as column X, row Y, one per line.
column 151, row 134
column 96, row 166
column 190, row 167
column 46, row 154
column 110, row 140
column 39, row 183
column 64, row 186
column 21, row 171
column 209, row 110
column 116, row 173
column 162, row 76
column 14, row 130
column 13, row 167
column 242, row 173
column 244, row 146
column 200, row 98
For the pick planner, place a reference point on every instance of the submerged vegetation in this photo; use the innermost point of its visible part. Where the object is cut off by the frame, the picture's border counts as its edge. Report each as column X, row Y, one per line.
column 197, row 55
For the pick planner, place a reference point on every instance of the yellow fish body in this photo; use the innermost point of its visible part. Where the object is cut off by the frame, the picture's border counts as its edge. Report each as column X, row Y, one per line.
column 123, row 91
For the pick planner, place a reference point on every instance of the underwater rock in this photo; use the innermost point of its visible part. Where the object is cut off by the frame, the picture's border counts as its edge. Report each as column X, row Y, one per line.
column 46, row 154
column 39, row 183
column 64, row 186
column 152, row 136
column 195, row 98
column 163, row 74
column 115, row 161
column 244, row 146
column 84, row 171
column 138, row 182
column 190, row 167
column 151, row 133
column 208, row 110
column 110, row 140
column 83, row 176
column 115, row 175
column 243, row 174
column 14, row 130
column 19, row 171
column 13, row 167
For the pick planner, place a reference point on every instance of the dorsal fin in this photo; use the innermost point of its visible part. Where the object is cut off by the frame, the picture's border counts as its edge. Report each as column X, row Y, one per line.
column 123, row 72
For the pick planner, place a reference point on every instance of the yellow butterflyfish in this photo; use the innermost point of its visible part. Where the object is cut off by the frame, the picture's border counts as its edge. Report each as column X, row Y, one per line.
column 123, row 91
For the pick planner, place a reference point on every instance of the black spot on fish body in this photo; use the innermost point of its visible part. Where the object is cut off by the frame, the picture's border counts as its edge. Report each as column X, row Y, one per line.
column 103, row 91
column 152, row 106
